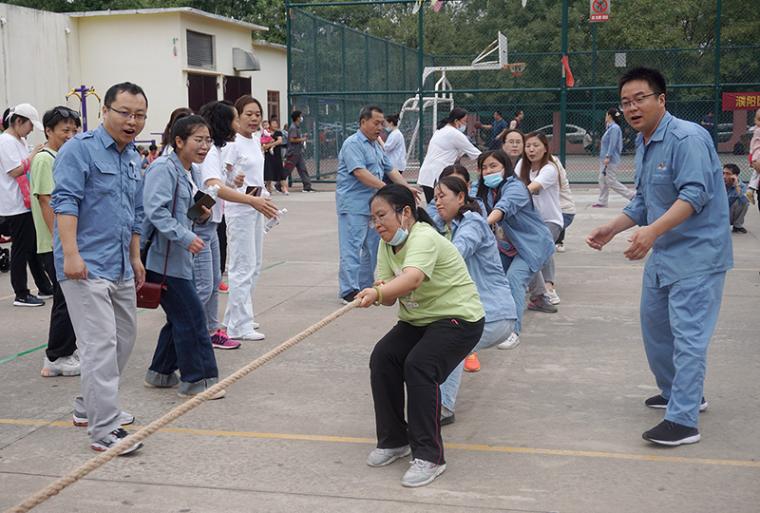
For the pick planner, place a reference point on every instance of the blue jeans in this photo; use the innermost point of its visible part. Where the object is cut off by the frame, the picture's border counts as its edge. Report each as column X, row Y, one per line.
column 183, row 342
column 207, row 274
column 677, row 322
column 519, row 276
column 493, row 333
column 358, row 253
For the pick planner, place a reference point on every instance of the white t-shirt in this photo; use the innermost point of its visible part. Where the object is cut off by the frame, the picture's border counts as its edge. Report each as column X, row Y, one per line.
column 212, row 168
column 566, row 202
column 547, row 200
column 253, row 167
column 446, row 145
column 12, row 152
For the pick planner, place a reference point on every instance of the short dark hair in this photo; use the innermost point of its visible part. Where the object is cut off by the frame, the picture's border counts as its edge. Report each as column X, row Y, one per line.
column 392, row 118
column 152, row 147
column 518, row 112
column 246, row 99
column 123, row 87
column 219, row 116
column 184, row 127
column 457, row 186
column 367, row 112
column 733, row 168
column 455, row 169
column 497, row 111
column 59, row 114
column 651, row 76
column 295, row 115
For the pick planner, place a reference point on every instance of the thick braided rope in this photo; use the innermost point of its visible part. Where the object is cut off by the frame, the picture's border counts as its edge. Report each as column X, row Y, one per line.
column 72, row 477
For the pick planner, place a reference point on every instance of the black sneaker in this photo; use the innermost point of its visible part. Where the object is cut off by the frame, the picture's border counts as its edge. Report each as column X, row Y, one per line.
column 739, row 229
column 45, row 294
column 349, row 298
column 28, row 300
column 660, row 403
column 671, row 434
column 113, row 438
column 447, row 416
column 541, row 304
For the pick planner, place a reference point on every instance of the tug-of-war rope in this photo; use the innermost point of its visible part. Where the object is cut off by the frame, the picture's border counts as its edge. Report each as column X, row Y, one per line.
column 72, row 477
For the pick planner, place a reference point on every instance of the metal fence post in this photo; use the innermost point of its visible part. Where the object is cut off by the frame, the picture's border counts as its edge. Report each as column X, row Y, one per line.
column 563, row 90
column 289, row 49
column 716, row 64
column 420, row 84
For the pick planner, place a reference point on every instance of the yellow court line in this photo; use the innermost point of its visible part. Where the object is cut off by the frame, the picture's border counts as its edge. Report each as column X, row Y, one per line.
column 534, row 451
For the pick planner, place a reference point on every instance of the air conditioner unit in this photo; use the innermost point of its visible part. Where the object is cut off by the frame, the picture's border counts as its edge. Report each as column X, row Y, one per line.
column 243, row 60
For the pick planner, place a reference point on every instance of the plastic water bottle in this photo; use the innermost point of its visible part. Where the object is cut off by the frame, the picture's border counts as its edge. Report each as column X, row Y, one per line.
column 271, row 223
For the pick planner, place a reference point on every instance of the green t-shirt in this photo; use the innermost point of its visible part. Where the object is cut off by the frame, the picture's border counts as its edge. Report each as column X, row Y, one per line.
column 41, row 181
column 447, row 291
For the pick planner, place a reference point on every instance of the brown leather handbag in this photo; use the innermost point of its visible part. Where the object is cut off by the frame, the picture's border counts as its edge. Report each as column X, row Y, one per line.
column 149, row 295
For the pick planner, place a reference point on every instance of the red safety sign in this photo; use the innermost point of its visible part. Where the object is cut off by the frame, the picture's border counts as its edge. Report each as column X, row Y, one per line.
column 599, row 10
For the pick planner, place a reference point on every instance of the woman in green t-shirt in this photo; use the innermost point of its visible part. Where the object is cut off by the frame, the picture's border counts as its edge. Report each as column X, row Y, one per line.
column 440, row 321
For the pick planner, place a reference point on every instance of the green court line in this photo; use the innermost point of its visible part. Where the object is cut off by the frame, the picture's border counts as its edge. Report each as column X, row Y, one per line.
column 22, row 353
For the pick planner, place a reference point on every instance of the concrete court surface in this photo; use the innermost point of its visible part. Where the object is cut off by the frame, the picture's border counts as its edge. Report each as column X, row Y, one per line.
column 552, row 426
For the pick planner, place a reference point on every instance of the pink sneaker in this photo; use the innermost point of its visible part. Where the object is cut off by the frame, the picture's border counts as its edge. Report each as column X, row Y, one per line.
column 598, row 205
column 224, row 288
column 220, row 340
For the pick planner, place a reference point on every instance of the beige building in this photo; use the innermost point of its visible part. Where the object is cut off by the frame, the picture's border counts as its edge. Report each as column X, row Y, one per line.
column 180, row 56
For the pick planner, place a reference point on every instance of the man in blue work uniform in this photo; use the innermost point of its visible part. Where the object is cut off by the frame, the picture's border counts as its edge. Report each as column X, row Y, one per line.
column 98, row 205
column 681, row 207
column 362, row 163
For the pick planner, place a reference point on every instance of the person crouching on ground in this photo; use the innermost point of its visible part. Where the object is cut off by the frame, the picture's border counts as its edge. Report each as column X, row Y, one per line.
column 440, row 321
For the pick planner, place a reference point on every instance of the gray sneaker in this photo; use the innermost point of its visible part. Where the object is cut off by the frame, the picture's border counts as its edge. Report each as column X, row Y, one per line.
column 541, row 304
column 113, row 438
column 187, row 389
column 421, row 473
column 512, row 341
column 383, row 457
column 155, row 379
column 80, row 418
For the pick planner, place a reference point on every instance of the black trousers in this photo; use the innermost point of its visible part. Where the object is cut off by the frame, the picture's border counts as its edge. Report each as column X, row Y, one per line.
column 23, row 252
column 61, row 338
column 421, row 357
column 221, row 232
column 429, row 193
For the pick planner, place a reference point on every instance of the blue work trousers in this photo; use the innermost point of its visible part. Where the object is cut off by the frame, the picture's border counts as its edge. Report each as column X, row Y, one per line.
column 358, row 253
column 183, row 342
column 207, row 273
column 519, row 276
column 677, row 322
column 494, row 332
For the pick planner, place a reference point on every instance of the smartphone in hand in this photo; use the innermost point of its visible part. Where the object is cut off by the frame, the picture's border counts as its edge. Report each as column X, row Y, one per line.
column 253, row 190
column 201, row 200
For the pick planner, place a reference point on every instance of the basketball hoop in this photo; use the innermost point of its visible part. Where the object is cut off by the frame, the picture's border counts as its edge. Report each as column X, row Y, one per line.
column 516, row 68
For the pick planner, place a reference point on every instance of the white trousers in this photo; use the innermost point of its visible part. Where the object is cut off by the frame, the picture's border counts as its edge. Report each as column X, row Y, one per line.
column 245, row 241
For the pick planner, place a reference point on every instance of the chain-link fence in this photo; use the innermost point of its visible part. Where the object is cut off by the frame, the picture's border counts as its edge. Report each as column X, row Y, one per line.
column 335, row 70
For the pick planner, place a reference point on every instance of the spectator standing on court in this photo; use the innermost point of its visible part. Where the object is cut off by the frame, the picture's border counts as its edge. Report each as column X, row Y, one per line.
column 609, row 155
column 294, row 154
column 362, row 163
column 395, row 145
column 498, row 130
column 98, row 205
column 738, row 203
column 517, row 120
column 683, row 214
column 15, row 203
column 60, row 124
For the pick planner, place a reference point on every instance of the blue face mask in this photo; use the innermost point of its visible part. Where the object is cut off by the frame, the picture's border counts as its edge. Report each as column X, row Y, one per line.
column 492, row 181
column 462, row 128
column 399, row 237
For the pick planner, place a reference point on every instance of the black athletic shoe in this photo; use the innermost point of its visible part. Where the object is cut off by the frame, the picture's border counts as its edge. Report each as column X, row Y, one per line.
column 28, row 300
column 660, row 403
column 447, row 416
column 739, row 229
column 349, row 298
column 671, row 434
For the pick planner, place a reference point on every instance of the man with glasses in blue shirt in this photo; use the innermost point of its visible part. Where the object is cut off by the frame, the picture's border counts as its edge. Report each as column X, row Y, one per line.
column 98, row 205
column 683, row 214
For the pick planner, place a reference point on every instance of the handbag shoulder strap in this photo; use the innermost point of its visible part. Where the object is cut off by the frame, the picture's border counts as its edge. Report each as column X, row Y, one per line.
column 169, row 243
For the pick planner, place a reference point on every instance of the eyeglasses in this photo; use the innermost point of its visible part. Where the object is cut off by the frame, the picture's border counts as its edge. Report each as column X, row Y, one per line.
column 66, row 113
column 380, row 218
column 207, row 141
column 636, row 101
column 125, row 115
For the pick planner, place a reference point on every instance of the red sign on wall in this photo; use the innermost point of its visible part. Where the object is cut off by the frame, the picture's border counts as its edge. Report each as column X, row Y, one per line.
column 599, row 10
column 741, row 101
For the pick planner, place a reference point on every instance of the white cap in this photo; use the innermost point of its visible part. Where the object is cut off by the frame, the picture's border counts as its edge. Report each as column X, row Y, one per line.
column 28, row 111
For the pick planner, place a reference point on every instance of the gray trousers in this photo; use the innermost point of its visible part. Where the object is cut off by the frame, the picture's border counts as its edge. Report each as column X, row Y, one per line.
column 104, row 316
column 608, row 180
column 537, row 285
column 736, row 214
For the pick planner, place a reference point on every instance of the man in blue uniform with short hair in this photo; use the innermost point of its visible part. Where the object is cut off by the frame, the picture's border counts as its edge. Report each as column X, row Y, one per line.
column 681, row 207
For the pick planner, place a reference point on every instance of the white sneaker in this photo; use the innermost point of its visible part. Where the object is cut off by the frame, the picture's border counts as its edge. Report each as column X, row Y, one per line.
column 64, row 366
column 560, row 248
column 513, row 340
column 421, row 473
column 382, row 457
column 253, row 335
column 552, row 297
column 256, row 325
